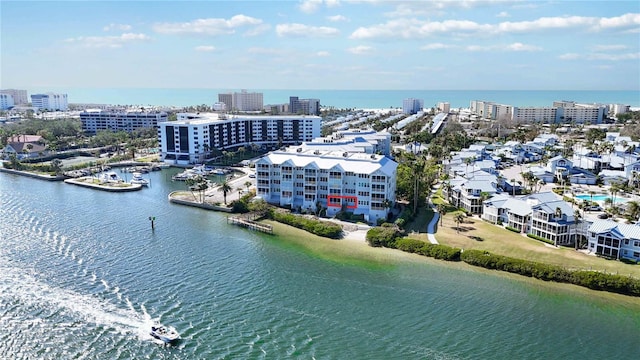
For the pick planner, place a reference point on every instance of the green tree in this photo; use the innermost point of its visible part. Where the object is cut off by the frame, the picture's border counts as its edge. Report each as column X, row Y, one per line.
column 225, row 188
column 56, row 166
column 459, row 219
column 577, row 218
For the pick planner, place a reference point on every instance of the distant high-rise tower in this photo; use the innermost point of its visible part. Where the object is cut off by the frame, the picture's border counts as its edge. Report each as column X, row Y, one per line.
column 50, row 101
column 242, row 101
column 19, row 96
column 304, row 106
column 412, row 106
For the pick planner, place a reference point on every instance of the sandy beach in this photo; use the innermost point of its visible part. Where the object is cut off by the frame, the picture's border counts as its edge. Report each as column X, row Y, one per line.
column 357, row 236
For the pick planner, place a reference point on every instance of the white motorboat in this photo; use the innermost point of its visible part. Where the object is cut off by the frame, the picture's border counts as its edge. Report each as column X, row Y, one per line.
column 138, row 179
column 167, row 334
column 110, row 177
column 183, row 176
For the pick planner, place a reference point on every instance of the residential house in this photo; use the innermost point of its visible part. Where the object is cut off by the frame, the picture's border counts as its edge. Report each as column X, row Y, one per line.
column 615, row 240
column 24, row 146
column 553, row 221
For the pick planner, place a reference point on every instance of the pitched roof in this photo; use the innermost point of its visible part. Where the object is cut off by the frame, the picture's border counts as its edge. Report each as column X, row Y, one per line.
column 626, row 231
column 550, row 207
column 24, row 139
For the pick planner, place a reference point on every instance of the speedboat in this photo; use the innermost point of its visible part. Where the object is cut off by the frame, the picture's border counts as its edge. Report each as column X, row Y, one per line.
column 138, row 179
column 167, row 334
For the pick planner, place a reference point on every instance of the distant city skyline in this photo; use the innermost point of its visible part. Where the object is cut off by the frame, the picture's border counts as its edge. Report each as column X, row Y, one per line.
column 321, row 44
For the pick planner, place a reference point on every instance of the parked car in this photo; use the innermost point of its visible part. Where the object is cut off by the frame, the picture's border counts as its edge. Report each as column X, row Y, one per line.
column 603, row 216
column 594, row 208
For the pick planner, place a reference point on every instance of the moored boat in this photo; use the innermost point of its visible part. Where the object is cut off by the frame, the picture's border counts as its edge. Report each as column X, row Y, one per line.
column 138, row 179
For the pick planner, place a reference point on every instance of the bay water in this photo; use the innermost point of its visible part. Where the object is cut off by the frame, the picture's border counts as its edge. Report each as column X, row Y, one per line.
column 83, row 275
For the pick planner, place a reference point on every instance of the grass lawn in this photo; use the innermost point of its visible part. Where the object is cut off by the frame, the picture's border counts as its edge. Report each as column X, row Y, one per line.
column 480, row 235
column 420, row 222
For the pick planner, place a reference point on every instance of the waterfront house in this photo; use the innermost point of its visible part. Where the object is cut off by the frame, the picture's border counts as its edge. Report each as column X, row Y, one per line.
column 470, row 193
column 543, row 214
column 552, row 220
column 611, row 239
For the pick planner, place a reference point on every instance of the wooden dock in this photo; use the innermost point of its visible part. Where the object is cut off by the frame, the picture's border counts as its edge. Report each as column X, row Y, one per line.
column 252, row 225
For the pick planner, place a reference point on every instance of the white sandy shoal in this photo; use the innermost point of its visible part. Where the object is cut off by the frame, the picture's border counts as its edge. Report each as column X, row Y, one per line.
column 358, row 236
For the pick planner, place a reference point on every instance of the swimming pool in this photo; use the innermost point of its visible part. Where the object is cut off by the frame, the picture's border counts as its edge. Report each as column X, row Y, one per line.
column 600, row 197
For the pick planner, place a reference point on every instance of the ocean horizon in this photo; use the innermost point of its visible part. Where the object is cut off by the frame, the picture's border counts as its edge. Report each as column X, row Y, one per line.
column 359, row 99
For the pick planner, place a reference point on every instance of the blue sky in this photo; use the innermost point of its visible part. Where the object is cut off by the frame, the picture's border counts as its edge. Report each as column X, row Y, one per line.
column 322, row 44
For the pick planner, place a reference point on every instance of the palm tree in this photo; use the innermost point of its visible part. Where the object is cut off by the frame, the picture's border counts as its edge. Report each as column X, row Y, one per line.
column 633, row 211
column 558, row 216
column 577, row 217
column 248, row 184
column 459, row 218
column 468, row 161
column 225, row 188
column 441, row 210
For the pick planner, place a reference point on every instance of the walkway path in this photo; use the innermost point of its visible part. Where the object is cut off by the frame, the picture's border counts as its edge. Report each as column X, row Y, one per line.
column 431, row 228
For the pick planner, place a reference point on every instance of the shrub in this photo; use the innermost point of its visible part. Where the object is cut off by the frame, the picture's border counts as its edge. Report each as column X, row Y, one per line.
column 512, row 229
column 317, row 227
column 539, row 238
column 383, row 236
column 436, row 251
column 590, row 279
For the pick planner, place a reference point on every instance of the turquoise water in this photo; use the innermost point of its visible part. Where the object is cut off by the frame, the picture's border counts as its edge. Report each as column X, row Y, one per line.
column 347, row 98
column 82, row 275
column 600, row 198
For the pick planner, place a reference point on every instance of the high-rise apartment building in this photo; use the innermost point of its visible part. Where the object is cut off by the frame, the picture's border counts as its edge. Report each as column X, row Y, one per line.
column 6, row 101
column 50, row 101
column 19, row 96
column 190, row 138
column 304, row 106
column 94, row 120
column 412, row 106
column 242, row 101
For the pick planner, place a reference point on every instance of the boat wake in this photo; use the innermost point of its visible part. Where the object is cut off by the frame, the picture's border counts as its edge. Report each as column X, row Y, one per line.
column 32, row 294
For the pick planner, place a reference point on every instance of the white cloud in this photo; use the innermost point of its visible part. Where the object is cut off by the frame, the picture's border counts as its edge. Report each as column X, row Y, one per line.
column 626, row 20
column 336, row 18
column 503, row 14
column 360, row 50
column 522, row 47
column 311, row 6
column 323, row 53
column 205, row 48
column 107, row 41
column 614, row 57
column 411, row 28
column 609, row 47
column 569, row 56
column 120, row 27
column 211, row 26
column 301, row 30
column 508, row 47
column 600, row 56
column 436, row 46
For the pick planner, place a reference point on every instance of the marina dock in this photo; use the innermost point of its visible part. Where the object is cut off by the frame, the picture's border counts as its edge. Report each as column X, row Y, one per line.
column 252, row 225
